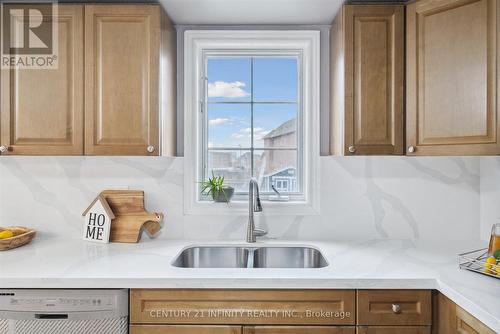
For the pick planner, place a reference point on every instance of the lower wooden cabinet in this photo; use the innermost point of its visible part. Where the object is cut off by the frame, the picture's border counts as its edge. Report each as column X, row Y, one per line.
column 243, row 307
column 394, row 330
column 184, row 329
column 298, row 330
column 451, row 319
column 200, row 329
column 281, row 311
column 394, row 307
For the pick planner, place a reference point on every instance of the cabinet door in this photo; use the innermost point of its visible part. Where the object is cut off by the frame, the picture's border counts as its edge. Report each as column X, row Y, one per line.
column 467, row 324
column 121, row 79
column 394, row 330
column 452, row 74
column 452, row 319
column 42, row 109
column 181, row 329
column 297, row 330
column 374, row 74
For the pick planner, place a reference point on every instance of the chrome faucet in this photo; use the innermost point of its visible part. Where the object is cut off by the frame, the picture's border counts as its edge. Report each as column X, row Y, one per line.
column 254, row 205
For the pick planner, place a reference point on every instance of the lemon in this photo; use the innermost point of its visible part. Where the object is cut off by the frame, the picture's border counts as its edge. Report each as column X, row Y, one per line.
column 497, row 269
column 491, row 260
column 6, row 234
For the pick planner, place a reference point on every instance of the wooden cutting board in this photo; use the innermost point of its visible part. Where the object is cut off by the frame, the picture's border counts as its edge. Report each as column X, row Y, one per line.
column 130, row 215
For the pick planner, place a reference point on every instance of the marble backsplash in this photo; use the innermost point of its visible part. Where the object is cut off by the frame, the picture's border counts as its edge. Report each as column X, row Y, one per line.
column 422, row 199
column 490, row 194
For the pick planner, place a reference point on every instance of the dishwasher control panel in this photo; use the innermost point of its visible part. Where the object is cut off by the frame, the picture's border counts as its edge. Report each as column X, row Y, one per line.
column 53, row 301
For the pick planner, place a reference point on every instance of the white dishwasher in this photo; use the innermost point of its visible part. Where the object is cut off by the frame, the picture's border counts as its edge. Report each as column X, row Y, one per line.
column 24, row 311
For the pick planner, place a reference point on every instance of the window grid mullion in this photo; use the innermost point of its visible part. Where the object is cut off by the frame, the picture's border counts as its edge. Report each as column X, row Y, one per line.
column 251, row 119
column 249, row 148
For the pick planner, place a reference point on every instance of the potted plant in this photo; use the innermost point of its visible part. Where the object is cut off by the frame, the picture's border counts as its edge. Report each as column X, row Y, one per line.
column 215, row 186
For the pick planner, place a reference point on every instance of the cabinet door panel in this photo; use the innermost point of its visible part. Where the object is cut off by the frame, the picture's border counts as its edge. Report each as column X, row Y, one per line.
column 452, row 74
column 42, row 109
column 298, row 330
column 467, row 324
column 122, row 62
column 394, row 330
column 181, row 329
column 374, row 79
column 247, row 307
column 452, row 319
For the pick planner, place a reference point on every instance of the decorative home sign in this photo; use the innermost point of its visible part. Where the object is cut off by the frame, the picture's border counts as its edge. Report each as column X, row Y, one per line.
column 98, row 217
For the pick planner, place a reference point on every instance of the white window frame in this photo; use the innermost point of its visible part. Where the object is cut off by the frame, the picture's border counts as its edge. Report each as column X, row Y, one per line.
column 196, row 44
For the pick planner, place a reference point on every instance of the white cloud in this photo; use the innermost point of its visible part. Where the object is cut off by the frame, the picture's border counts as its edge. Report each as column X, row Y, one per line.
column 227, row 89
column 218, row 121
column 258, row 133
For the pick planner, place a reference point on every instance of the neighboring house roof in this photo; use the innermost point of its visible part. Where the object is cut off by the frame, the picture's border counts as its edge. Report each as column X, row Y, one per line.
column 279, row 171
column 105, row 205
column 284, row 129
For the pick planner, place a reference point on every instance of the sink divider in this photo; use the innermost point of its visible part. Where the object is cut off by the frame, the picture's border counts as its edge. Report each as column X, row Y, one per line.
column 251, row 257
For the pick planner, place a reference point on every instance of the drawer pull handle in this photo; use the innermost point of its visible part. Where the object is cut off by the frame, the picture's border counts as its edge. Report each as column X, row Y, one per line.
column 396, row 308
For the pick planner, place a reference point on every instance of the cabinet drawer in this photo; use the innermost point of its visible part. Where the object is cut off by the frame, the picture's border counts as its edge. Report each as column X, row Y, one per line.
column 394, row 330
column 181, row 329
column 242, row 307
column 394, row 307
column 299, row 330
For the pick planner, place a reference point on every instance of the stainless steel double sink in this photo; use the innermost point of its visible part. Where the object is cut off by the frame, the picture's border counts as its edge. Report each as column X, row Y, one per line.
column 250, row 257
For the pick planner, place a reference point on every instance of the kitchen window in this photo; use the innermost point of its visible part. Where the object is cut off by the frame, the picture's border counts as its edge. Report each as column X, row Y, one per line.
column 253, row 120
column 252, row 110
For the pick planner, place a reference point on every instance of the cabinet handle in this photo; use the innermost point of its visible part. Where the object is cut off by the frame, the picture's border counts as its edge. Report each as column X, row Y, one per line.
column 352, row 149
column 412, row 149
column 151, row 148
column 396, row 308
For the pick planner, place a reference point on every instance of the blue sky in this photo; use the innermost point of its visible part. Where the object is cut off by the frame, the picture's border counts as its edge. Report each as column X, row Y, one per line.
column 274, row 80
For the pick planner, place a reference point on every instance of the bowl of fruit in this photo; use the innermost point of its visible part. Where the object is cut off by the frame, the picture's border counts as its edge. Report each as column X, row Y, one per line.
column 481, row 261
column 15, row 236
column 492, row 264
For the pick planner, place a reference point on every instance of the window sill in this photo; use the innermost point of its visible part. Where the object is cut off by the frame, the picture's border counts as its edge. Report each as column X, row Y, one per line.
column 290, row 208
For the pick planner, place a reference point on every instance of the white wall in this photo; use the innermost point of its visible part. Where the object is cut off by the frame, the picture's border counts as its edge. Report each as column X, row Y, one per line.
column 422, row 199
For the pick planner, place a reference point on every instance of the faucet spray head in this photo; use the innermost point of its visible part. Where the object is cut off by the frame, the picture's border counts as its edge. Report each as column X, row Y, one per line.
column 258, row 205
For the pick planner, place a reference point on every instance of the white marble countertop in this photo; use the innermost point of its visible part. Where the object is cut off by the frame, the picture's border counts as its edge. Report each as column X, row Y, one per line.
column 390, row 264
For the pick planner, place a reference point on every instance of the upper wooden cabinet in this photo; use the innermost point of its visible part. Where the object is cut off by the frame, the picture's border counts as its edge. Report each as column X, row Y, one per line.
column 452, row 75
column 42, row 109
column 367, row 80
column 122, row 57
column 112, row 59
